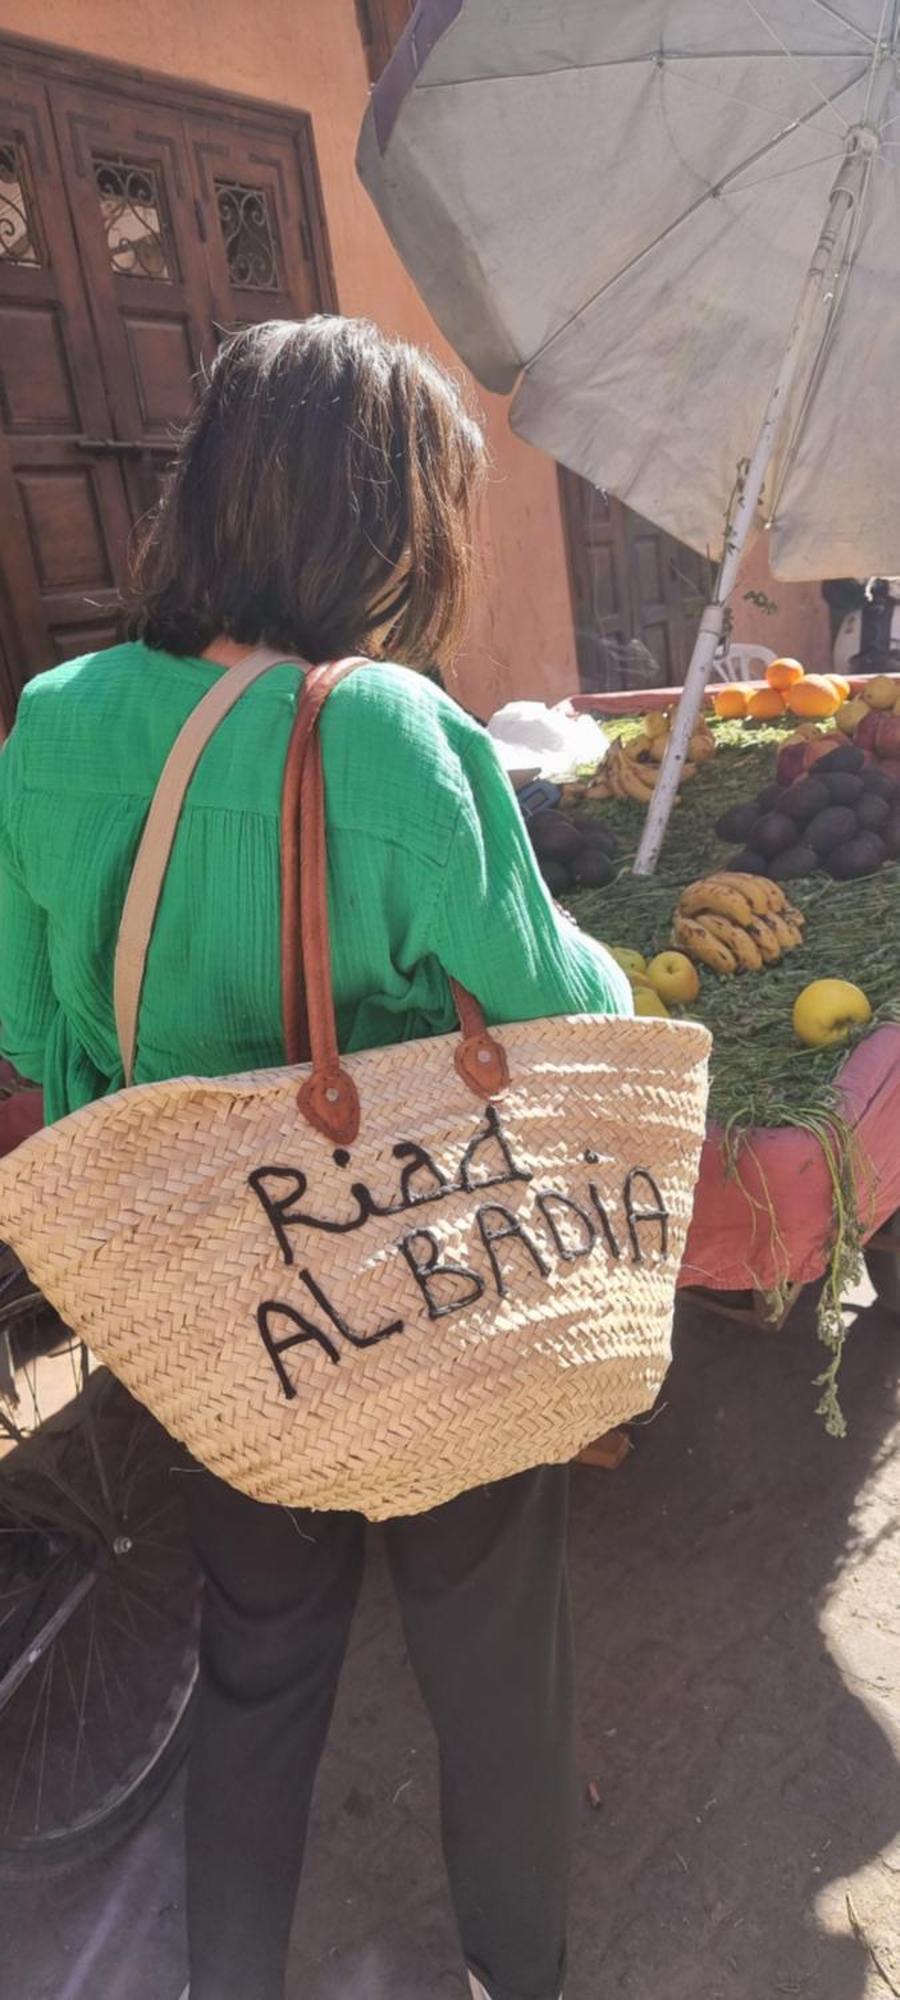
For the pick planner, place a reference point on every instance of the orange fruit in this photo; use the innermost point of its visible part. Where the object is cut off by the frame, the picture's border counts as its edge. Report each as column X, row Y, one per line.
column 766, row 705
column 842, row 685
column 730, row 703
column 815, row 695
column 784, row 673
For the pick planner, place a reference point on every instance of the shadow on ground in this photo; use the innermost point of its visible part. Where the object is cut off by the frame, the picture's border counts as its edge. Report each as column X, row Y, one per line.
column 738, row 1612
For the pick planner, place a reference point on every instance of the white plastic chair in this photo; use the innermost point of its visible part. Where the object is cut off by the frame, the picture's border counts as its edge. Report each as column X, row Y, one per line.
column 744, row 662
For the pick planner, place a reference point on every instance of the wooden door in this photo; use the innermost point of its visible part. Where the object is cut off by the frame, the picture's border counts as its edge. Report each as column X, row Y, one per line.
column 131, row 201
column 136, row 228
column 65, row 516
column 637, row 594
column 253, row 208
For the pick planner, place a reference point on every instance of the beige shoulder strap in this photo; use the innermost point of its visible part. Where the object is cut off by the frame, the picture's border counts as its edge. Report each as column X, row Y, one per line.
column 154, row 851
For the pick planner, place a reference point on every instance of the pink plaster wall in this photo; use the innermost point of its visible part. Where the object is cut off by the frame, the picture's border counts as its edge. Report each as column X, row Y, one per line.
column 799, row 627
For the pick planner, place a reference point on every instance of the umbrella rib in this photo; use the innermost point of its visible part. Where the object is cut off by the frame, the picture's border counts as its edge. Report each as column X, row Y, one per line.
column 709, row 194
column 729, row 96
column 839, row 292
column 785, row 173
column 663, row 57
column 795, row 59
column 876, row 52
column 852, row 27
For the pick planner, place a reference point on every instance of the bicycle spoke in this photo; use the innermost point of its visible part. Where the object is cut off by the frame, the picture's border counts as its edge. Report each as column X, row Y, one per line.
column 158, row 1515
column 27, row 1746
column 164, row 1613
column 81, row 1741
column 97, row 1459
column 131, row 1634
column 42, row 1767
column 102, row 1672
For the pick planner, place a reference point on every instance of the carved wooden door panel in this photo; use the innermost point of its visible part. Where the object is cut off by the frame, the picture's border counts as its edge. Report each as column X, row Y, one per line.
column 128, row 179
column 65, row 516
column 136, row 228
column 599, row 578
column 637, row 594
column 254, row 203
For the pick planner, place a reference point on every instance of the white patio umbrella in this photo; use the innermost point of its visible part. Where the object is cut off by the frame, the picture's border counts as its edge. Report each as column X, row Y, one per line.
column 670, row 230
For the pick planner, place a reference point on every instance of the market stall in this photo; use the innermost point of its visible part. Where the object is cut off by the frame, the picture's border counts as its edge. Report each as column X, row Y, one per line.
column 791, row 956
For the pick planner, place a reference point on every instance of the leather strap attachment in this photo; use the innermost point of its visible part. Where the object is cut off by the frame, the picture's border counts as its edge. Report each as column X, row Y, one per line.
column 328, row 1098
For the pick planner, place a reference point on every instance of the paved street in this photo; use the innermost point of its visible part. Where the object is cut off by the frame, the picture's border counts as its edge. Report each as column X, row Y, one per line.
column 738, row 1604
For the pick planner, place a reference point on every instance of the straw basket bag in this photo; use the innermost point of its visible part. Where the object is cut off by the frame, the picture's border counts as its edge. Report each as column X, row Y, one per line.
column 368, row 1283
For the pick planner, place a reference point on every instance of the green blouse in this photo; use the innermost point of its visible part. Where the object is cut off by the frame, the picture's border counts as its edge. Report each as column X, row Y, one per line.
column 430, row 872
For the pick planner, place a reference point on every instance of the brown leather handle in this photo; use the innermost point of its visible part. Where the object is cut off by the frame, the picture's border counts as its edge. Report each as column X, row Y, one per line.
column 328, row 1098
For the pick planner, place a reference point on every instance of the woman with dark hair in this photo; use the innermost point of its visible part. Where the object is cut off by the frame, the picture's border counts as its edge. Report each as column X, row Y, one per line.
column 322, row 501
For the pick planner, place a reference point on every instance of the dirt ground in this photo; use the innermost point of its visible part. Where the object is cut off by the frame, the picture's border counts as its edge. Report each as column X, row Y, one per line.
column 738, row 1605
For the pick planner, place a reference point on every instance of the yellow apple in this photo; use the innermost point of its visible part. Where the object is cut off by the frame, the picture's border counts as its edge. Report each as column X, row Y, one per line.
column 827, row 1010
column 674, row 977
column 851, row 714
column 881, row 692
column 648, row 1001
column 631, row 962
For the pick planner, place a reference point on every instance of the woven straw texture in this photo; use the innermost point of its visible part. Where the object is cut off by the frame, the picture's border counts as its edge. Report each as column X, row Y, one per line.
column 453, row 1321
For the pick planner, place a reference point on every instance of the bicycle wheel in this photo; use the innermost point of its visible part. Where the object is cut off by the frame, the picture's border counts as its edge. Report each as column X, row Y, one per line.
column 98, row 1616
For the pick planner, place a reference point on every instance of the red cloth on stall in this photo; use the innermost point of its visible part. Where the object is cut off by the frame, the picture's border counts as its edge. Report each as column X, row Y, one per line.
column 732, row 1246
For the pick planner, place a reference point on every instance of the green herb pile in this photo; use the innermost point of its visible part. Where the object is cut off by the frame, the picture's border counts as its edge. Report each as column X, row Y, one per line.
column 761, row 1075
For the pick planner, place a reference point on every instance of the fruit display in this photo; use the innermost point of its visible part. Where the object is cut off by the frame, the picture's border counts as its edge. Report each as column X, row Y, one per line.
column 574, row 850
column 735, row 922
column 631, row 769
column 785, row 1039
column 670, row 979
column 871, row 720
column 789, row 690
column 799, row 752
column 809, row 827
column 674, row 977
column 632, row 962
column 828, row 1010
column 842, row 816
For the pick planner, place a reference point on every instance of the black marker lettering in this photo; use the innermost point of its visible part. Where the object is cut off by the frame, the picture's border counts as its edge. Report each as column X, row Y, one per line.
column 635, row 1215
column 283, row 1214
column 426, row 1270
column 355, row 1339
column 510, row 1229
column 419, row 1162
column 276, row 1348
column 490, row 1133
column 279, row 1211
column 568, row 1250
column 612, row 1243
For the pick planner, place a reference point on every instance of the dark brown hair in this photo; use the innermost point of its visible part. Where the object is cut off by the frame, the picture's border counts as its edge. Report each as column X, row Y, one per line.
column 324, row 487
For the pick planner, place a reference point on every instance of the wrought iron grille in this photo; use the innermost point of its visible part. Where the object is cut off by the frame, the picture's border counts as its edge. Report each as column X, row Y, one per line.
column 134, row 219
column 19, row 242
column 250, row 235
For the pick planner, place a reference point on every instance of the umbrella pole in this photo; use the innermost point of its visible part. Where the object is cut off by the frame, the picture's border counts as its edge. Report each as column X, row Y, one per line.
column 861, row 142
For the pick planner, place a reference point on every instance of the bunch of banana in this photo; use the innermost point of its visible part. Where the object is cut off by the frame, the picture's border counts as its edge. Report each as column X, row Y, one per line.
column 629, row 772
column 736, row 923
column 631, row 769
column 656, row 732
